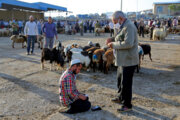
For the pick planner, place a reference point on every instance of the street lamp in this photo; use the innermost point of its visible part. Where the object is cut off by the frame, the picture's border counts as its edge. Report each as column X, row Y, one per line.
column 121, row 5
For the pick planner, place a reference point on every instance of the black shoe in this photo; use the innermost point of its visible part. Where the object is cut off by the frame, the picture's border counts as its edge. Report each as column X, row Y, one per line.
column 124, row 109
column 116, row 100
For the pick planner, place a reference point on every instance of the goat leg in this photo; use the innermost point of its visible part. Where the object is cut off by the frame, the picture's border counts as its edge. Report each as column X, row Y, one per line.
column 13, row 44
column 42, row 65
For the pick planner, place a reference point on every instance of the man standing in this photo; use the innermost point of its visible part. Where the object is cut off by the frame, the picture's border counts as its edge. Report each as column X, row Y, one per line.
column 141, row 27
column 126, row 58
column 68, row 93
column 49, row 31
column 15, row 27
column 111, row 27
column 31, row 32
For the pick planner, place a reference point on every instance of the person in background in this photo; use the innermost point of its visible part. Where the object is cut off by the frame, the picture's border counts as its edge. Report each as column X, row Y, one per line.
column 141, row 27
column 49, row 31
column 81, row 25
column 68, row 92
column 15, row 27
column 31, row 32
column 125, row 48
column 111, row 26
column 40, row 25
column 97, row 26
column 20, row 24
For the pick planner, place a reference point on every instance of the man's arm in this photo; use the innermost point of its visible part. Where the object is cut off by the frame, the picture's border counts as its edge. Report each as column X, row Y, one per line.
column 55, row 31
column 36, row 29
column 43, row 29
column 128, row 39
column 25, row 29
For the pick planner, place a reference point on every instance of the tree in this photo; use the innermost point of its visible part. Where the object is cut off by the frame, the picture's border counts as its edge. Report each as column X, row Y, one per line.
column 174, row 7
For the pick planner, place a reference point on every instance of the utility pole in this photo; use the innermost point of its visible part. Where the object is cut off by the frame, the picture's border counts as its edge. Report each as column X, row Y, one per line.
column 121, row 5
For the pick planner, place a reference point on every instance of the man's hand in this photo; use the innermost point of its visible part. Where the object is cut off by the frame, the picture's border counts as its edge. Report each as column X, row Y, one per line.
column 82, row 97
column 108, row 41
column 56, row 37
column 109, row 45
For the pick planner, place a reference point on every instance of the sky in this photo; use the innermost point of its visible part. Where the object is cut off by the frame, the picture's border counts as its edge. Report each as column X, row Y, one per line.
column 100, row 6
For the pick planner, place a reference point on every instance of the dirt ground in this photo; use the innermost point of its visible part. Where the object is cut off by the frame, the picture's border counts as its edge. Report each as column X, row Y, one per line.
column 29, row 93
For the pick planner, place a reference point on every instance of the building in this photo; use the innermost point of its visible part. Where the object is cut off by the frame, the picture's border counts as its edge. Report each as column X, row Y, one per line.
column 161, row 9
column 19, row 10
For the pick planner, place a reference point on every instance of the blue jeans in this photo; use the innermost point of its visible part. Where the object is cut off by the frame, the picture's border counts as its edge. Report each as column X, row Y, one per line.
column 49, row 43
column 30, row 42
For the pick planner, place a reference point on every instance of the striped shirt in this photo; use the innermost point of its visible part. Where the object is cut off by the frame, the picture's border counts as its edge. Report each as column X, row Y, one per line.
column 68, row 92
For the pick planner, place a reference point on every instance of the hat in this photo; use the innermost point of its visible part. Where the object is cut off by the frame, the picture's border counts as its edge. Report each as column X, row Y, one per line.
column 75, row 61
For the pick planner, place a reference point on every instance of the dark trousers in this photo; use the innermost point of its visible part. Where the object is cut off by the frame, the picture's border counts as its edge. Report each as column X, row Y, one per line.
column 79, row 106
column 15, row 33
column 111, row 32
column 151, row 33
column 125, row 80
column 141, row 31
column 30, row 42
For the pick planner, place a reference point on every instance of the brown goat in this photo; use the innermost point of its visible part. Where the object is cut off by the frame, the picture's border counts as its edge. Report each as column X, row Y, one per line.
column 108, row 59
column 97, row 59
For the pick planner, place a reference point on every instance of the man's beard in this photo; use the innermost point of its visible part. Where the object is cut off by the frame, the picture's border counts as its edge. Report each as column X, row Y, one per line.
column 74, row 71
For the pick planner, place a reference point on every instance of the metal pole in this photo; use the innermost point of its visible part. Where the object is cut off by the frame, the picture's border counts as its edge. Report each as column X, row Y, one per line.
column 121, row 5
column 137, row 10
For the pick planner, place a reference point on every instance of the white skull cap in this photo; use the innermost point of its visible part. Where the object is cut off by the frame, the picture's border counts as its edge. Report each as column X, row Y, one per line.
column 75, row 61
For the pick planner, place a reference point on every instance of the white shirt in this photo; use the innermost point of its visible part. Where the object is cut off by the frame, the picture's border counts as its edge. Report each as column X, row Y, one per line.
column 30, row 28
column 111, row 25
column 117, row 26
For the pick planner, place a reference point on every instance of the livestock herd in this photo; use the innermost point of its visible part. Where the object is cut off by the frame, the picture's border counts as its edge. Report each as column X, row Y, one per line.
column 93, row 56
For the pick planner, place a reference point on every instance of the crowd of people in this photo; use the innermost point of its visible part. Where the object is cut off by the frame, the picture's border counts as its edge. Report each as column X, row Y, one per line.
column 149, row 25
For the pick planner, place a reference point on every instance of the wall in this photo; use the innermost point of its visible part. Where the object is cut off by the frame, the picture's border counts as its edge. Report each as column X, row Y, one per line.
column 165, row 10
column 19, row 15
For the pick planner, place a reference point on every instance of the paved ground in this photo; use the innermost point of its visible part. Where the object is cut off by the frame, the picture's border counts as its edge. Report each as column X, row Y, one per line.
column 27, row 92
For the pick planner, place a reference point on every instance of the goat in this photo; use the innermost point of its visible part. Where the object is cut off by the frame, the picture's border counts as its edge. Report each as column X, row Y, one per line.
column 54, row 55
column 108, row 59
column 97, row 59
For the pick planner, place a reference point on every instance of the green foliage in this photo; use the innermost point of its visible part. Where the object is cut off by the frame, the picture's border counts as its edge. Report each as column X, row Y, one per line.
column 174, row 7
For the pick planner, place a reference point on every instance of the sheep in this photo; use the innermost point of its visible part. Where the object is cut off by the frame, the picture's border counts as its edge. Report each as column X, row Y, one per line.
column 53, row 55
column 74, row 48
column 18, row 39
column 86, row 48
column 98, row 31
column 97, row 59
column 159, row 33
column 83, row 56
column 90, row 43
column 108, row 59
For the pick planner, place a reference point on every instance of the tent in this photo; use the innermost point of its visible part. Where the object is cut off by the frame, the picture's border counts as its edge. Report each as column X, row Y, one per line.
column 14, row 4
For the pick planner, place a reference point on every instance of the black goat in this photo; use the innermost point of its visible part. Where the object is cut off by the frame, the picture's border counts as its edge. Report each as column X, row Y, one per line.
column 147, row 50
column 54, row 55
